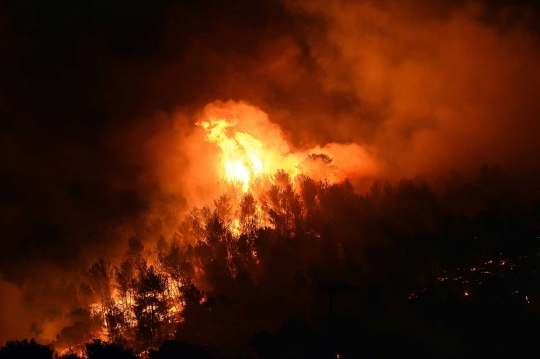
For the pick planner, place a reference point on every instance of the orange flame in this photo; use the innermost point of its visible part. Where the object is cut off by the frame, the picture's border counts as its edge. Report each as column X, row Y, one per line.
column 241, row 153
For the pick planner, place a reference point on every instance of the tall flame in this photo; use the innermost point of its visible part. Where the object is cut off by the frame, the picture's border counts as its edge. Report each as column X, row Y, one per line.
column 252, row 148
column 241, row 152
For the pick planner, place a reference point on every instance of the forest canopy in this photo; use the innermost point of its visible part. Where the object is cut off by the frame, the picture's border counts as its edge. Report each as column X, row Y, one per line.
column 259, row 259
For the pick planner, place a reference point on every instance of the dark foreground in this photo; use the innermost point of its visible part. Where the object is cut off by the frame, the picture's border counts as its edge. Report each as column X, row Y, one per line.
column 484, row 310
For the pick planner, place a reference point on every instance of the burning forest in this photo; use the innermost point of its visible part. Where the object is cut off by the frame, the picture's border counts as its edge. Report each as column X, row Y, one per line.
column 152, row 294
column 272, row 245
column 273, row 179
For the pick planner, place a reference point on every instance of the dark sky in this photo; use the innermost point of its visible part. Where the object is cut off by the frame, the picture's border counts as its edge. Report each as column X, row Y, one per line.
column 84, row 84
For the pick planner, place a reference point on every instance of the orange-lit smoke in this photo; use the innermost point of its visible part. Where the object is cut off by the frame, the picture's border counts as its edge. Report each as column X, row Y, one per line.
column 385, row 88
column 192, row 158
column 16, row 320
column 251, row 146
column 442, row 86
column 245, row 157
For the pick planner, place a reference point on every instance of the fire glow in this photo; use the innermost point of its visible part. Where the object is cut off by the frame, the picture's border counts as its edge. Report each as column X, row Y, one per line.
column 241, row 152
column 256, row 180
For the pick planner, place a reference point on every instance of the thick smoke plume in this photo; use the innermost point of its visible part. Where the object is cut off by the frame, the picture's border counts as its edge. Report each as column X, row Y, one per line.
column 448, row 89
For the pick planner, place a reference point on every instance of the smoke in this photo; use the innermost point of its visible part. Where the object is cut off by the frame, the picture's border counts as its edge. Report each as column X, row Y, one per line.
column 15, row 321
column 100, row 141
column 419, row 87
column 185, row 168
column 388, row 89
column 450, row 90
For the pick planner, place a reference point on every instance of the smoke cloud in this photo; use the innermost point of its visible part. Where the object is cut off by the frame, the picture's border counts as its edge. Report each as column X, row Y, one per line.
column 450, row 90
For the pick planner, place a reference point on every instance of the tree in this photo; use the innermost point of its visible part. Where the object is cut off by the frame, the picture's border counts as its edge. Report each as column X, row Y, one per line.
column 98, row 349
column 249, row 220
column 99, row 277
column 283, row 205
column 176, row 265
column 223, row 207
column 125, row 277
column 116, row 322
column 151, row 307
column 18, row 349
column 318, row 166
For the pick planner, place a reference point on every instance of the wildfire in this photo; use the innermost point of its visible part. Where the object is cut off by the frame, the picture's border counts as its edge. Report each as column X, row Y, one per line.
column 245, row 159
column 265, row 184
column 241, row 153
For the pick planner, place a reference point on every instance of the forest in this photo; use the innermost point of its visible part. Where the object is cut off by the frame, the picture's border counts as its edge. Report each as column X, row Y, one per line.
column 272, row 179
column 289, row 253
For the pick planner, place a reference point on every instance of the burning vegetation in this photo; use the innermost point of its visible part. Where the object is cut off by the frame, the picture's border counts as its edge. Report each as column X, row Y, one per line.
column 154, row 295
column 336, row 185
column 259, row 254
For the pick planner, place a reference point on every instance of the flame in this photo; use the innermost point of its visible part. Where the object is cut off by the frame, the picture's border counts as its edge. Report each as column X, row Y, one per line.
column 236, row 227
column 252, row 149
column 256, row 160
column 241, row 152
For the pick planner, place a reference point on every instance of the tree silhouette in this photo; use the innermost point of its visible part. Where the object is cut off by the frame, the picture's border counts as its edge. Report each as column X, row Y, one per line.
column 18, row 349
column 98, row 349
column 99, row 277
column 151, row 307
column 121, row 319
column 261, row 257
column 318, row 166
